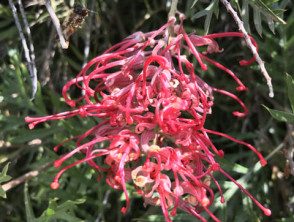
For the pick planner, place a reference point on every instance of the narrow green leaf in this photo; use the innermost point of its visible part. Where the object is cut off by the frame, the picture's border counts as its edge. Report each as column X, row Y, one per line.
column 28, row 207
column 64, row 212
column 212, row 8
column 270, row 23
column 208, row 11
column 194, row 3
column 245, row 15
column 4, row 171
column 207, row 23
column 2, row 192
column 281, row 115
column 199, row 14
column 216, row 9
column 267, row 10
column 290, row 89
column 20, row 80
column 4, row 178
column 240, row 169
column 257, row 20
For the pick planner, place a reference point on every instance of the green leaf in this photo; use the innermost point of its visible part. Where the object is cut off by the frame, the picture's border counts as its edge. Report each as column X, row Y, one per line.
column 281, row 115
column 4, row 178
column 270, row 23
column 290, row 89
column 28, row 207
column 2, row 192
column 64, row 211
column 257, row 20
column 201, row 13
column 194, row 3
column 208, row 10
column 229, row 166
column 245, row 15
column 216, row 9
column 266, row 10
column 211, row 9
column 3, row 175
column 207, row 23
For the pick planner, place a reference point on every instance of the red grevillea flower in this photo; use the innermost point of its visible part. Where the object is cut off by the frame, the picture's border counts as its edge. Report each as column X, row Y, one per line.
column 152, row 106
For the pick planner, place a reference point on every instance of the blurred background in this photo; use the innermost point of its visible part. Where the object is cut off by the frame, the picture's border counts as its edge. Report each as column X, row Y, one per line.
column 26, row 155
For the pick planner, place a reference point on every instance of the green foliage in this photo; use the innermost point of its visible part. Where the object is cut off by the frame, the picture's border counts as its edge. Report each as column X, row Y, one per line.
column 281, row 115
column 4, row 178
column 290, row 89
column 262, row 11
column 64, row 211
column 208, row 12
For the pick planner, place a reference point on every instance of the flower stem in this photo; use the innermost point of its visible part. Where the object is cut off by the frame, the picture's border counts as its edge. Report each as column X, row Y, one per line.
column 173, row 8
column 55, row 20
column 250, row 45
column 171, row 14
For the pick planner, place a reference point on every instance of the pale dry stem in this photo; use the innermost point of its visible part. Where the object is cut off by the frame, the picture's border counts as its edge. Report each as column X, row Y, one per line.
column 250, row 45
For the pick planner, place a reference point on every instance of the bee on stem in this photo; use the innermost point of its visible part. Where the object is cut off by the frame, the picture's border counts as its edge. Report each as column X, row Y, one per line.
column 74, row 21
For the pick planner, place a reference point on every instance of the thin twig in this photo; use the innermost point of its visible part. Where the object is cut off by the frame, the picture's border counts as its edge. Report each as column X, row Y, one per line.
column 47, row 56
column 28, row 31
column 33, row 74
column 173, row 9
column 104, row 203
column 13, row 183
column 171, row 14
column 88, row 39
column 250, row 45
column 55, row 20
column 88, row 35
column 30, row 41
column 277, row 149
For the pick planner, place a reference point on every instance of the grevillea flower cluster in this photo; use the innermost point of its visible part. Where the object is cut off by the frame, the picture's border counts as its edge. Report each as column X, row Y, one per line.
column 152, row 106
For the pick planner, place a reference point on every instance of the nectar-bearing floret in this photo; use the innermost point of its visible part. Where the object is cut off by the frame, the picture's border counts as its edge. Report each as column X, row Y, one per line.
column 152, row 107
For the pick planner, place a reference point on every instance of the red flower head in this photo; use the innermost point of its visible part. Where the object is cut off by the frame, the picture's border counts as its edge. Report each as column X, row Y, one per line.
column 152, row 106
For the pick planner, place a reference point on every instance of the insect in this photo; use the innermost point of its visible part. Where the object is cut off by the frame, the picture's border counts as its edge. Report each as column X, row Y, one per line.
column 74, row 21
